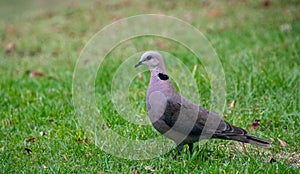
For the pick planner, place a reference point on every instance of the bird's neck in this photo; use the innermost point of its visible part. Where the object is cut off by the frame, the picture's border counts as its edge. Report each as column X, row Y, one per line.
column 157, row 70
column 159, row 77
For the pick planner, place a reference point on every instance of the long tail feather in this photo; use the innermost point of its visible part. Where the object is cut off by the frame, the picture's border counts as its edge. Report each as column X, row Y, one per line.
column 239, row 134
column 257, row 141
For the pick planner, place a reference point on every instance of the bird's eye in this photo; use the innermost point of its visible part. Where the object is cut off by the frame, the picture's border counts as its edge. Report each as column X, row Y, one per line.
column 148, row 57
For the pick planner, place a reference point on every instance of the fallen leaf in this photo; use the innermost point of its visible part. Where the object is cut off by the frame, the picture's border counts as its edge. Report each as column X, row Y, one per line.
column 232, row 104
column 31, row 139
column 255, row 124
column 9, row 47
column 149, row 168
column 162, row 44
column 64, row 157
column 136, row 171
column 282, row 143
column 7, row 122
column 34, row 74
column 266, row 3
column 29, row 151
column 86, row 140
column 215, row 12
column 79, row 140
column 205, row 3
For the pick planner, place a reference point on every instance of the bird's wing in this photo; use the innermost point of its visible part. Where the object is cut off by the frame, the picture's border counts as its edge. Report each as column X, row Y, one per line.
column 182, row 115
column 185, row 116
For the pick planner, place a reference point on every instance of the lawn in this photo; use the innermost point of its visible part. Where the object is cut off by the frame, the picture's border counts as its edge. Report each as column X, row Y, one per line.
column 258, row 45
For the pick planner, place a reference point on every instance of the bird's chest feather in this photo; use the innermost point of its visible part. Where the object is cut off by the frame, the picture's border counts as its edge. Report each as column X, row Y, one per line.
column 159, row 92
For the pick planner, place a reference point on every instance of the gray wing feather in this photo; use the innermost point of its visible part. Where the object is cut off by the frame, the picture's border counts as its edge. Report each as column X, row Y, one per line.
column 174, row 107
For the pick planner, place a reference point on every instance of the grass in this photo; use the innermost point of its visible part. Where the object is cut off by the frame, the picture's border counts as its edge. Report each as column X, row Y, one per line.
column 259, row 50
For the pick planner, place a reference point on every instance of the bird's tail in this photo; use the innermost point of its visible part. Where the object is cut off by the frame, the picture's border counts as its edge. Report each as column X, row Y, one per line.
column 248, row 139
column 256, row 141
column 239, row 134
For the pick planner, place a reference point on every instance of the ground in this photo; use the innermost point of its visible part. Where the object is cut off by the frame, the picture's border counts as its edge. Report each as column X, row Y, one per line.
column 257, row 43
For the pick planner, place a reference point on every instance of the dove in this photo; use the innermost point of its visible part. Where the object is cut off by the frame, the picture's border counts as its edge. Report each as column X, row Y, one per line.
column 178, row 118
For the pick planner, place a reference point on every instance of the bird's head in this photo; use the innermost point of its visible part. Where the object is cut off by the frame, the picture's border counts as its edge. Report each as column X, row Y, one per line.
column 153, row 60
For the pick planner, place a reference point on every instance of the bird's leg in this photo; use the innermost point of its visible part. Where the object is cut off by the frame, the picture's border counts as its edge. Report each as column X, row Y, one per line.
column 191, row 148
column 179, row 149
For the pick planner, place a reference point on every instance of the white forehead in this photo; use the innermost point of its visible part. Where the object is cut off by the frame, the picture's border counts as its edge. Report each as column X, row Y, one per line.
column 150, row 53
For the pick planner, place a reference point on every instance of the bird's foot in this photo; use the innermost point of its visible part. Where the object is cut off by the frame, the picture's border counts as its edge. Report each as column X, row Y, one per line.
column 191, row 145
column 174, row 155
column 179, row 149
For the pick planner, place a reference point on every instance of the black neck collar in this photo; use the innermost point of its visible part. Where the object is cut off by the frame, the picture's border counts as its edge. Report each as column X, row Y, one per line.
column 163, row 76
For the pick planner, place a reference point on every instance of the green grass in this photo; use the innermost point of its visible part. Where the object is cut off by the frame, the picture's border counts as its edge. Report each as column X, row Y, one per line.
column 261, row 64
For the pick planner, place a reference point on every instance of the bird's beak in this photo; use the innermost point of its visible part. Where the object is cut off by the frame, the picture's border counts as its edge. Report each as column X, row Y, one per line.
column 138, row 64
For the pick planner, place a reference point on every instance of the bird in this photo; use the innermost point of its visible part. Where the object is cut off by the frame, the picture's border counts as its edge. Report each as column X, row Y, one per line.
column 180, row 119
